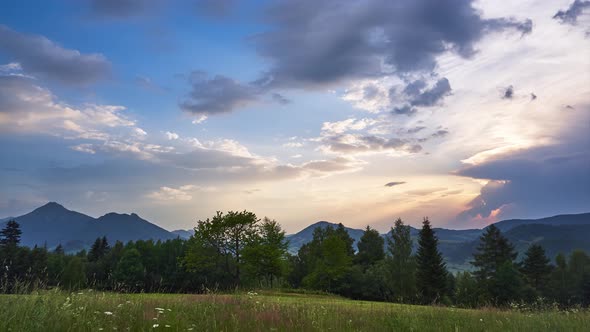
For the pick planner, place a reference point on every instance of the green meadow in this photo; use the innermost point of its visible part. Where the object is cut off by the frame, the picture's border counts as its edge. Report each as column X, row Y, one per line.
column 97, row 311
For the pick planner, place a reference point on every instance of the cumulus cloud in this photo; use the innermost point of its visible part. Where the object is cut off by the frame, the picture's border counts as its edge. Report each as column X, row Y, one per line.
column 394, row 183
column 571, row 14
column 218, row 94
column 314, row 44
column 363, row 144
column 418, row 94
column 182, row 193
column 40, row 56
column 171, row 136
column 534, row 182
column 27, row 107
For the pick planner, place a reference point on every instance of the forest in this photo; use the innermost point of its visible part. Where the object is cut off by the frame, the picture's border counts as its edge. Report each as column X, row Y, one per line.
column 238, row 251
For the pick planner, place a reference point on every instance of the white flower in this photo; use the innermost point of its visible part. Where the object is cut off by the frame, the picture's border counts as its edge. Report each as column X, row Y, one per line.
column 166, row 325
column 155, row 325
column 108, row 313
column 160, row 309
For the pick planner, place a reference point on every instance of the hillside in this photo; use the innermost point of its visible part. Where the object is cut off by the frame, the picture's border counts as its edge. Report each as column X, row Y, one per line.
column 53, row 224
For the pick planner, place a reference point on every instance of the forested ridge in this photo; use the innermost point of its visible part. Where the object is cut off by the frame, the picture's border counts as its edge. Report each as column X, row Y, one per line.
column 237, row 250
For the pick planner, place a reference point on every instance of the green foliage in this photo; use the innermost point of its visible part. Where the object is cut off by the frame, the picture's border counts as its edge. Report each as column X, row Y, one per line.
column 494, row 251
column 370, row 248
column 129, row 273
column 265, row 254
column 74, row 276
column 431, row 273
column 536, row 268
column 401, row 263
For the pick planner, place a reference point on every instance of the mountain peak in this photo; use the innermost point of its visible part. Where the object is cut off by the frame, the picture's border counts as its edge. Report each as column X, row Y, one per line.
column 51, row 206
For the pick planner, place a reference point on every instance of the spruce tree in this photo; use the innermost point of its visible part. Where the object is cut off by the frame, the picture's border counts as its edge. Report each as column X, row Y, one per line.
column 536, row 268
column 370, row 248
column 401, row 263
column 431, row 273
column 493, row 251
column 10, row 235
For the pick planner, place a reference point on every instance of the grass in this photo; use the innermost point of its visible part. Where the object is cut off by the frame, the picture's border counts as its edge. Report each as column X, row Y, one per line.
column 95, row 311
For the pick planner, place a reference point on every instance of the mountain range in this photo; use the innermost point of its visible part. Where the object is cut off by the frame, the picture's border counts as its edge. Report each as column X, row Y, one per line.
column 53, row 224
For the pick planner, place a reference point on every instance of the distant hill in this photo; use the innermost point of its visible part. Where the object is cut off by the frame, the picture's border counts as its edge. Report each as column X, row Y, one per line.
column 563, row 233
column 300, row 238
column 563, row 219
column 184, row 234
column 53, row 224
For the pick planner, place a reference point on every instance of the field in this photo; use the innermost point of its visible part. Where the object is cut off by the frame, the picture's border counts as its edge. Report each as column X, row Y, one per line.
column 94, row 311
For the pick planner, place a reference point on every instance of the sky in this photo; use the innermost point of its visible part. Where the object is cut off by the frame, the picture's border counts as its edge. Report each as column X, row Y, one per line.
column 360, row 112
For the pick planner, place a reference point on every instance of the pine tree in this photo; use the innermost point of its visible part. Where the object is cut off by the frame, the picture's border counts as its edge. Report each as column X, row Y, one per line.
column 401, row 263
column 493, row 251
column 10, row 235
column 536, row 268
column 370, row 248
column 431, row 273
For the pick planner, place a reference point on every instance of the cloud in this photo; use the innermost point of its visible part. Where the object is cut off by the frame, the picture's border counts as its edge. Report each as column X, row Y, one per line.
column 40, row 56
column 571, row 14
column 27, row 107
column 418, row 94
column 394, row 183
column 340, row 127
column 533, row 96
column 425, row 192
column 532, row 183
column 508, row 92
column 171, row 136
column 218, row 94
column 428, row 97
column 280, row 99
column 182, row 193
column 363, row 144
column 313, row 44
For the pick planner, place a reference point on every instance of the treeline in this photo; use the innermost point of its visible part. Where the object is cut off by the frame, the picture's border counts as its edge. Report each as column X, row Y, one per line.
column 238, row 250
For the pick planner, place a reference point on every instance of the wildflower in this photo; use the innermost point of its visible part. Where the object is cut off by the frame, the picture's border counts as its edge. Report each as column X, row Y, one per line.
column 155, row 325
column 166, row 325
column 119, row 305
column 108, row 313
column 481, row 319
column 190, row 329
column 160, row 309
column 100, row 329
column 169, row 309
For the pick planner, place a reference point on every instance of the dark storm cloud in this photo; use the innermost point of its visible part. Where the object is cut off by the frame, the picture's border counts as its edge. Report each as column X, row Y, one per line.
column 394, row 183
column 570, row 15
column 218, row 94
column 536, row 182
column 322, row 43
column 38, row 55
column 533, row 96
column 419, row 94
column 215, row 8
column 508, row 92
column 427, row 97
column 404, row 110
